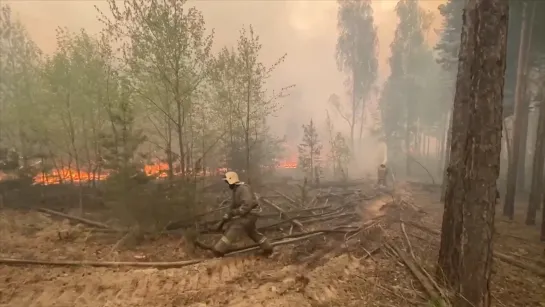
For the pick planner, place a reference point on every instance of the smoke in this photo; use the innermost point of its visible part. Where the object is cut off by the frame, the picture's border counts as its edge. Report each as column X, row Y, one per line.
column 305, row 30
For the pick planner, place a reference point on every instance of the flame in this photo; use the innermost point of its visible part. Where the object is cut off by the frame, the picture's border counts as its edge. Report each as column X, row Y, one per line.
column 68, row 175
column 287, row 164
column 72, row 175
column 291, row 161
column 159, row 170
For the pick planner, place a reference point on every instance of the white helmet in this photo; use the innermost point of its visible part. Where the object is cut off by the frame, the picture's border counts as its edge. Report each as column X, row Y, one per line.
column 231, row 178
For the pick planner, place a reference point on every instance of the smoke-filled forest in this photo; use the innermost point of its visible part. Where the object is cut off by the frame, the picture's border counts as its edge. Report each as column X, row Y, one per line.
column 154, row 162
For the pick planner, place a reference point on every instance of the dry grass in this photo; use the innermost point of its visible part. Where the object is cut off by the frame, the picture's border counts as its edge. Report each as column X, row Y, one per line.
column 338, row 275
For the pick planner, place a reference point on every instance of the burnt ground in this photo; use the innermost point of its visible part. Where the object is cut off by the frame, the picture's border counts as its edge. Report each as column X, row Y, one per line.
column 314, row 272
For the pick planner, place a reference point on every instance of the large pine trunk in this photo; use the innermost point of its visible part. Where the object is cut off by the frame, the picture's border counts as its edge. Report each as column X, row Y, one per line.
column 536, row 192
column 465, row 256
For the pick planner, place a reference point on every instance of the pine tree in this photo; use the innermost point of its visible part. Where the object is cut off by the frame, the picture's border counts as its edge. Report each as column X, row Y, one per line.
column 310, row 150
column 449, row 41
column 467, row 233
column 405, row 85
column 340, row 154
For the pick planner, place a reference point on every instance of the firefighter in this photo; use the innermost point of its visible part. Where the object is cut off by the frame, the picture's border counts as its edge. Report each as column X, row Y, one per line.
column 241, row 218
column 381, row 175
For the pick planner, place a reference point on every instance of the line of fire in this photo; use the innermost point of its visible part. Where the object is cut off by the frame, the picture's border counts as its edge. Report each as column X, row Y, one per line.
column 156, row 169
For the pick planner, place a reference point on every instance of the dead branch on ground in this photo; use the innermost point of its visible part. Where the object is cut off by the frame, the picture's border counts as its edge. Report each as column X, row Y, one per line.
column 109, row 264
column 417, row 273
column 282, row 211
column 506, row 258
column 74, row 218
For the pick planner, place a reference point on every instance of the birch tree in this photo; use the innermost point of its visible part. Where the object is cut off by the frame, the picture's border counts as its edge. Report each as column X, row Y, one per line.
column 357, row 56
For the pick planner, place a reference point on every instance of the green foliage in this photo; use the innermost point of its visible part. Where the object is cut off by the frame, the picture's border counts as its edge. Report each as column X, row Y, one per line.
column 340, row 155
column 357, row 44
column 310, row 150
column 406, row 88
column 168, row 55
column 9, row 160
column 357, row 56
column 449, row 42
column 241, row 103
column 451, row 31
column 146, row 89
column 120, row 144
column 20, row 119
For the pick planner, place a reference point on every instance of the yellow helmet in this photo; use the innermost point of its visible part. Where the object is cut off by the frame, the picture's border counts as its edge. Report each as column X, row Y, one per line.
column 231, row 178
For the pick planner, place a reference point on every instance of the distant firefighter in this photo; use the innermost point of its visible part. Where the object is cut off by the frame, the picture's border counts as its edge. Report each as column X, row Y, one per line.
column 382, row 172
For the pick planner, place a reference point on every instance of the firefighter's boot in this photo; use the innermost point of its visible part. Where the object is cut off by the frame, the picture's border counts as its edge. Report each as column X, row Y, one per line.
column 266, row 247
column 221, row 247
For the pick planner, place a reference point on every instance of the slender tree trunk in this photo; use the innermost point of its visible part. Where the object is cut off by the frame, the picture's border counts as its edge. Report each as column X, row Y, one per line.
column 536, row 192
column 507, row 138
column 72, row 135
column 427, row 147
column 543, row 219
column 180, row 131
column 354, row 104
column 247, row 128
column 521, row 176
column 465, row 256
column 408, row 144
column 440, row 144
column 362, row 116
column 521, row 121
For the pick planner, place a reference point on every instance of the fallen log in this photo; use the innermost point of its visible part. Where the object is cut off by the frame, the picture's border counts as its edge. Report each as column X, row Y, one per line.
column 282, row 211
column 417, row 273
column 110, row 264
column 75, row 218
column 532, row 268
column 277, row 243
column 286, row 197
column 503, row 257
column 188, row 221
column 303, row 235
column 330, row 218
column 341, row 184
column 162, row 265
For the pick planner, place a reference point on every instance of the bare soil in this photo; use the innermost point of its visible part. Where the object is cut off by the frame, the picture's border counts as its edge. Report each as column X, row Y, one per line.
column 346, row 278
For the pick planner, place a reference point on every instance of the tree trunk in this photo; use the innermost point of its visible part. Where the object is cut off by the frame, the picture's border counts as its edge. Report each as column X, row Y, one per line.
column 180, row 131
column 427, row 147
column 354, row 104
column 521, row 121
column 440, row 148
column 536, row 192
column 521, row 176
column 543, row 220
column 247, row 128
column 508, row 146
column 465, row 256
column 408, row 144
column 446, row 159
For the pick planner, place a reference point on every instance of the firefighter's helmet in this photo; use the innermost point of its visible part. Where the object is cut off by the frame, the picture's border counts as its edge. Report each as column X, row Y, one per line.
column 231, row 178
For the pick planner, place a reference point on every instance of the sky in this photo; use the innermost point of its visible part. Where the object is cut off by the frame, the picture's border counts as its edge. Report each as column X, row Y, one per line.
column 305, row 30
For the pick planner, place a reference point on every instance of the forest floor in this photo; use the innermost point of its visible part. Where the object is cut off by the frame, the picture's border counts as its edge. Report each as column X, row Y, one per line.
column 337, row 277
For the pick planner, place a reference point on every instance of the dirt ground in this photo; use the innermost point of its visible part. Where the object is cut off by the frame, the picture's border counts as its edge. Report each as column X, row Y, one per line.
column 337, row 279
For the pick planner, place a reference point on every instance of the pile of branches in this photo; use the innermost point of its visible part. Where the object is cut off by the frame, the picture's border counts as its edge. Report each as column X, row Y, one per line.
column 327, row 209
column 286, row 218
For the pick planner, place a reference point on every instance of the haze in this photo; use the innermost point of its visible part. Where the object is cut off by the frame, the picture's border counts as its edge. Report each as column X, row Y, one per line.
column 305, row 30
